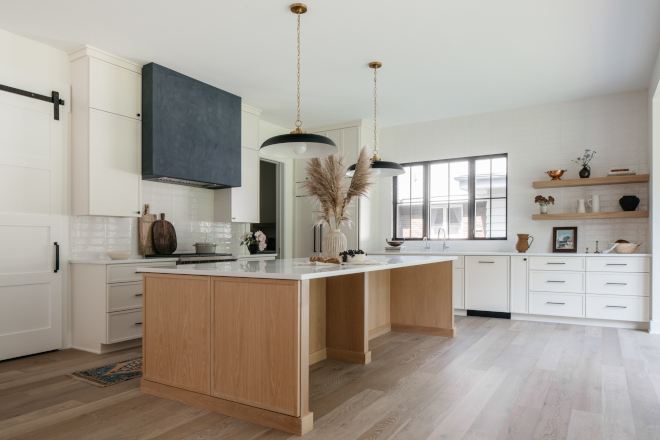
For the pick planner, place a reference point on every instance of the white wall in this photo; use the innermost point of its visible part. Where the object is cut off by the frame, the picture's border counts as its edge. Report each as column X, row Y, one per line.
column 538, row 139
column 654, row 127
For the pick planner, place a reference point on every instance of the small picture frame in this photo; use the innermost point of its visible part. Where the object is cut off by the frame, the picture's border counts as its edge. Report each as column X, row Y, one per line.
column 564, row 239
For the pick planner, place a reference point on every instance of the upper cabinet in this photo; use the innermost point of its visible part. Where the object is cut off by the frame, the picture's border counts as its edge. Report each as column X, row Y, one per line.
column 250, row 127
column 106, row 134
column 115, row 89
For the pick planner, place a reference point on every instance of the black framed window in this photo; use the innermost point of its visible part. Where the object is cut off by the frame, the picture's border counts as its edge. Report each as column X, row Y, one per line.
column 467, row 197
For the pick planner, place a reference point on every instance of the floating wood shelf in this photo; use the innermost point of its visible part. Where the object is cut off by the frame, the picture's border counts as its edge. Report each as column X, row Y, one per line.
column 594, row 181
column 591, row 215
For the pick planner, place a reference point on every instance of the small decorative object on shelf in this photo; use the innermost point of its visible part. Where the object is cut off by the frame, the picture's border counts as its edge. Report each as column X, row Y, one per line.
column 565, row 239
column 544, row 202
column 556, row 174
column 254, row 242
column 352, row 256
column 524, row 243
column 328, row 187
column 596, row 252
column 587, row 251
column 623, row 247
column 594, row 203
column 621, row 172
column 629, row 203
column 581, row 209
column 585, row 172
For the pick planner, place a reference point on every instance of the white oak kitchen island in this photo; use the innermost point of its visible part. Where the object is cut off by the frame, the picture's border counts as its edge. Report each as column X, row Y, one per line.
column 238, row 337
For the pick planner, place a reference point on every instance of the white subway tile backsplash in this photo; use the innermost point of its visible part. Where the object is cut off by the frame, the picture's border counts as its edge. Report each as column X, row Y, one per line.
column 190, row 210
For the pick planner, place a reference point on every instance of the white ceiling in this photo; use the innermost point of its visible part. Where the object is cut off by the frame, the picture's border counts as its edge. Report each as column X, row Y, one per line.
column 440, row 58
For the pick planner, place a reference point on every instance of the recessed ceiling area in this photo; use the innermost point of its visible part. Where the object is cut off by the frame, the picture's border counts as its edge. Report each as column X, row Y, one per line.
column 440, row 58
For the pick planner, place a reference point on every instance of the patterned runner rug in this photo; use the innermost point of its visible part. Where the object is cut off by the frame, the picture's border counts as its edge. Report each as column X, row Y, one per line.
column 111, row 374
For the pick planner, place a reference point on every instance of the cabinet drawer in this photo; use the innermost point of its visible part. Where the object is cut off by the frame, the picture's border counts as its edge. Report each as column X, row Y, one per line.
column 556, row 263
column 124, row 296
column 621, row 308
column 125, row 273
column 123, row 326
column 553, row 304
column 614, row 264
column 635, row 284
column 560, row 282
column 459, row 263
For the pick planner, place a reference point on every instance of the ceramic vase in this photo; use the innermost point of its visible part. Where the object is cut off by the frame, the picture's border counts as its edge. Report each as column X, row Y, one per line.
column 594, row 202
column 524, row 243
column 629, row 203
column 253, row 248
column 585, row 172
column 581, row 209
column 544, row 209
column 334, row 242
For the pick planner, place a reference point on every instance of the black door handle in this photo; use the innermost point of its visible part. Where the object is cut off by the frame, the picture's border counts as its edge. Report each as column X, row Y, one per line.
column 57, row 257
column 314, row 233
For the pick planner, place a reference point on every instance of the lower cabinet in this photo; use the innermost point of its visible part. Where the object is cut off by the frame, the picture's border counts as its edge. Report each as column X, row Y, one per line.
column 629, row 308
column 519, row 297
column 557, row 304
column 458, row 288
column 487, row 283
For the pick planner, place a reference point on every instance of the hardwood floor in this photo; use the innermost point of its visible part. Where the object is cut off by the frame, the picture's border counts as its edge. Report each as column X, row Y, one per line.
column 498, row 379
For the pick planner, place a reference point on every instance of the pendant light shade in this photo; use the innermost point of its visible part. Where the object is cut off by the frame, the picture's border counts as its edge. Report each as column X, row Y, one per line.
column 380, row 167
column 298, row 144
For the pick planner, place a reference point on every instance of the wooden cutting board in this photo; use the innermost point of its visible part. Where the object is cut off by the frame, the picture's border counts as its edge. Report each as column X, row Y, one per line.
column 164, row 236
column 145, row 237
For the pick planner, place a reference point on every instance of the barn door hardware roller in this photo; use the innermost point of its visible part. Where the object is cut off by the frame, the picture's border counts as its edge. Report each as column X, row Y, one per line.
column 54, row 98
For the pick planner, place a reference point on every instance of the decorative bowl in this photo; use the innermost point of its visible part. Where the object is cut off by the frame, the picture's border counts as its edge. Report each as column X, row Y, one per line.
column 356, row 258
column 556, row 174
column 394, row 242
column 119, row 255
column 626, row 248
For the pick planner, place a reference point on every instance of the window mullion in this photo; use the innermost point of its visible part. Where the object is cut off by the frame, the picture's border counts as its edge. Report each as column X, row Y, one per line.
column 471, row 198
column 426, row 202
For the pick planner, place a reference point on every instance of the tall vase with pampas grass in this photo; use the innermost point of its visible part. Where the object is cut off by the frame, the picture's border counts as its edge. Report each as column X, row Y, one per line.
column 328, row 187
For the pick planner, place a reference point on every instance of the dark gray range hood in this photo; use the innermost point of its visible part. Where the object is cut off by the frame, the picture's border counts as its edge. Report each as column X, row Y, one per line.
column 191, row 131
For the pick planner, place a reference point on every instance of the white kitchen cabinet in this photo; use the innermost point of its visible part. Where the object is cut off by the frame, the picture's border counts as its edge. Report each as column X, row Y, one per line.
column 241, row 204
column 487, row 283
column 519, row 292
column 106, row 147
column 458, row 288
column 115, row 89
column 250, row 127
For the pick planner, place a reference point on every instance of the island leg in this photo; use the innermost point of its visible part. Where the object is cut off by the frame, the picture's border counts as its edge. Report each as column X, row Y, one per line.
column 347, row 333
column 421, row 299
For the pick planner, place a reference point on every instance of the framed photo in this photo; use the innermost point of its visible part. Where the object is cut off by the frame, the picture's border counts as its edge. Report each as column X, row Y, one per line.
column 564, row 239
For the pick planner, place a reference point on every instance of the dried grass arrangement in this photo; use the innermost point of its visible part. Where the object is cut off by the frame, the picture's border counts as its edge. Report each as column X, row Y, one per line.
column 328, row 186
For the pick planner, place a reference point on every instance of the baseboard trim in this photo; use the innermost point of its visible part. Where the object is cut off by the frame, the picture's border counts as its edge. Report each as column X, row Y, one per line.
column 293, row 425
column 487, row 314
column 581, row 321
column 318, row 356
column 432, row 331
column 654, row 327
column 349, row 356
column 379, row 331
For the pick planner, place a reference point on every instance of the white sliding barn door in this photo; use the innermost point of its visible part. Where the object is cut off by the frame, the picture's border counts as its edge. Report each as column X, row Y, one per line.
column 31, row 218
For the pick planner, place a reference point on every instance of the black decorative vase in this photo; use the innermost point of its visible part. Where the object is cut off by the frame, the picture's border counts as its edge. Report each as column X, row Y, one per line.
column 585, row 172
column 253, row 248
column 629, row 203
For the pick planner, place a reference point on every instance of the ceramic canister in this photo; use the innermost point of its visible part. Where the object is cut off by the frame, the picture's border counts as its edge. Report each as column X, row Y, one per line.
column 594, row 202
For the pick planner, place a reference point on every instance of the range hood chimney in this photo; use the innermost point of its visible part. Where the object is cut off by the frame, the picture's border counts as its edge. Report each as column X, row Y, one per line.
column 191, row 131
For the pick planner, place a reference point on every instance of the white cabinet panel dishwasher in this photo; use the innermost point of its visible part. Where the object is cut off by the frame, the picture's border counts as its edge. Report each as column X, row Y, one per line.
column 487, row 283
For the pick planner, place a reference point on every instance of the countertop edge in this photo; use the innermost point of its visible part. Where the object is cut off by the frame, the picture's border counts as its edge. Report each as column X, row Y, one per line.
column 530, row 254
column 129, row 261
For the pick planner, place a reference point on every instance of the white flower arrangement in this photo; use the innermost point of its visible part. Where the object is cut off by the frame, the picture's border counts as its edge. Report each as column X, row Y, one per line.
column 248, row 239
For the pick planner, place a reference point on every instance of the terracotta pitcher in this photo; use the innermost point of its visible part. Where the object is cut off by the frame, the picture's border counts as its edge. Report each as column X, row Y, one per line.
column 524, row 243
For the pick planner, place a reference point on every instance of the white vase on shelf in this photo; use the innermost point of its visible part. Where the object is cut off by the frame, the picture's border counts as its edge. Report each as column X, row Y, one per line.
column 334, row 242
column 581, row 208
column 544, row 209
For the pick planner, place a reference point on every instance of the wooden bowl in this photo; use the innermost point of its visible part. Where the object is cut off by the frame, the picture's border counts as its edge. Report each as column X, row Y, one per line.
column 394, row 242
column 118, row 255
column 556, row 174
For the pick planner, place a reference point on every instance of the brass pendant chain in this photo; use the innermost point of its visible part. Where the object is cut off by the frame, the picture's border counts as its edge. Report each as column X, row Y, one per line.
column 375, row 117
column 298, row 122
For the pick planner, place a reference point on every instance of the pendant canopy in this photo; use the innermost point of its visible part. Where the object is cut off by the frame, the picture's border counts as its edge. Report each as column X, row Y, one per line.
column 298, row 144
column 380, row 167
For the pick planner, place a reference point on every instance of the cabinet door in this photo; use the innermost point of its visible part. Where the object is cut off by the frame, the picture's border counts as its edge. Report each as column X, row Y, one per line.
column 487, row 283
column 458, row 288
column 245, row 200
column 299, row 165
column 519, row 300
column 306, row 243
column 114, row 164
column 249, row 131
column 115, row 89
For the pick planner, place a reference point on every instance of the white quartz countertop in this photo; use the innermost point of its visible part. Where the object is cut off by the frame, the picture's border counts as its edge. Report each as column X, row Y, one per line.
column 532, row 254
column 286, row 269
column 129, row 261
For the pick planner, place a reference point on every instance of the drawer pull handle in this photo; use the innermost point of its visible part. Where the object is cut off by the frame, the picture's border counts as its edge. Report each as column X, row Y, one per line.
column 618, row 307
column 616, row 264
column 555, row 263
column 619, row 284
column 559, row 304
column 487, row 262
column 138, row 323
column 139, row 294
column 551, row 281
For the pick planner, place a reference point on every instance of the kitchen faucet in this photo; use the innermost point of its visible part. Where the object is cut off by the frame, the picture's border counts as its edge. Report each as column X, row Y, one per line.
column 444, row 240
column 427, row 245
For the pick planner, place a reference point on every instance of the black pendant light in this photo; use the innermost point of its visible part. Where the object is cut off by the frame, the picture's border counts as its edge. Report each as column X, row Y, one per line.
column 298, row 144
column 380, row 167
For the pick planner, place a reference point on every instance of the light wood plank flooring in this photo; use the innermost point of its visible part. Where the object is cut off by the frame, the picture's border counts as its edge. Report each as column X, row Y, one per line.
column 498, row 379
